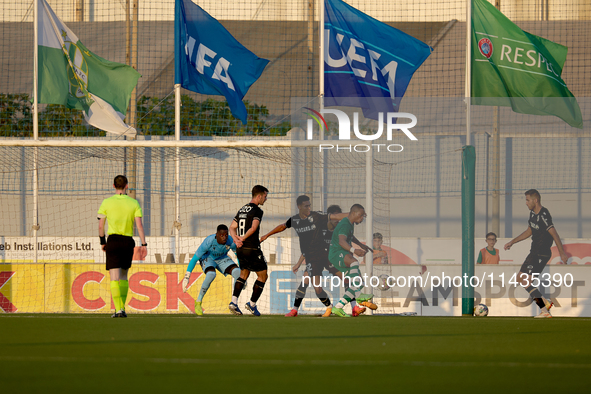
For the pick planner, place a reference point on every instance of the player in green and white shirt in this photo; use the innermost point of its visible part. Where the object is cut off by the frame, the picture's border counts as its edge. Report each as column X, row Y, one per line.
column 342, row 256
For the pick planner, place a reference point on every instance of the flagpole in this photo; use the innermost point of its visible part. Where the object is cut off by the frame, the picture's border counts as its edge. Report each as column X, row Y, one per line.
column 321, row 9
column 35, row 69
column 177, row 171
column 468, row 174
column 35, row 125
column 369, row 218
column 468, row 83
column 133, row 173
column 496, row 168
column 321, row 59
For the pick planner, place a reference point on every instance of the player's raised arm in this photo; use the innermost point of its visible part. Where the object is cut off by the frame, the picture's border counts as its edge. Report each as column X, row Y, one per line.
column 337, row 216
column 524, row 235
column 282, row 227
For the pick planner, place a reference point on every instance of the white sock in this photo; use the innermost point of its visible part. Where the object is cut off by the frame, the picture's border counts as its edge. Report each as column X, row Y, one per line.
column 253, row 304
column 235, row 300
column 353, row 303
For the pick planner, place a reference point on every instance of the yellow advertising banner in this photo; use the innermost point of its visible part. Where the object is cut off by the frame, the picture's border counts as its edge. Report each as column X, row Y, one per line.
column 85, row 288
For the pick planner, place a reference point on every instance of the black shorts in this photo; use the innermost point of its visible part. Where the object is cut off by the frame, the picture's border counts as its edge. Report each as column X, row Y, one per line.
column 317, row 262
column 251, row 259
column 534, row 263
column 119, row 251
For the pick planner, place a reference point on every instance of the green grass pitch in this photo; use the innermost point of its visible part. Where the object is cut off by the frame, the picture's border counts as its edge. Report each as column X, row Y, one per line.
column 373, row 354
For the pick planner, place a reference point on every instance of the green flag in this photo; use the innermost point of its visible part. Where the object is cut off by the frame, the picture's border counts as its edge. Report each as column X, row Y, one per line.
column 69, row 74
column 512, row 68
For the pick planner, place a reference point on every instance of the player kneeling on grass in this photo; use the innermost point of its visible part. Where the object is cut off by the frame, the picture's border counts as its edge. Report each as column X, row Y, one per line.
column 212, row 254
column 342, row 256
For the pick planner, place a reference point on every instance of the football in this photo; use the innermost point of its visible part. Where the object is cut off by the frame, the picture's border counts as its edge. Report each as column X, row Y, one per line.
column 384, row 282
column 480, row 310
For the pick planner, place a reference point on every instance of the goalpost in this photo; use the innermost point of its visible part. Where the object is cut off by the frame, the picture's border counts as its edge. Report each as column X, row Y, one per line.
column 203, row 183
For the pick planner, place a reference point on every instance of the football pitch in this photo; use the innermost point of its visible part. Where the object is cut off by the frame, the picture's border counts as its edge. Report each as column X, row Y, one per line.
column 182, row 353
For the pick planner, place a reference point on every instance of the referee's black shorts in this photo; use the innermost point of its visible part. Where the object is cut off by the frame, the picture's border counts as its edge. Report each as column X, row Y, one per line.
column 251, row 259
column 119, row 251
column 534, row 263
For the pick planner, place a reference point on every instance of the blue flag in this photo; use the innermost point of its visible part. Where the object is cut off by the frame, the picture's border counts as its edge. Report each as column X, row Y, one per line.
column 367, row 63
column 208, row 60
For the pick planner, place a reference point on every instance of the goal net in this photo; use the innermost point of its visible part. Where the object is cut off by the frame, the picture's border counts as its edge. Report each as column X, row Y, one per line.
column 50, row 258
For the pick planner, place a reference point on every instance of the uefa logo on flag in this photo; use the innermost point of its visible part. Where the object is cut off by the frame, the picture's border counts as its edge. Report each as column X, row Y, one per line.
column 486, row 47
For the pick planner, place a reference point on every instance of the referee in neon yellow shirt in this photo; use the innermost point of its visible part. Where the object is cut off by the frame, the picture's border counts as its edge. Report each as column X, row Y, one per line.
column 120, row 211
